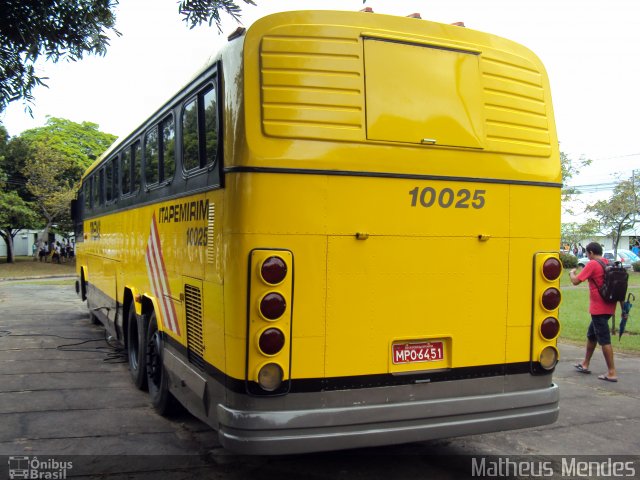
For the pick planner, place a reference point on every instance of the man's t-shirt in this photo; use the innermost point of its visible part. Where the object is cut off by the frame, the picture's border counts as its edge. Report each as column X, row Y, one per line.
column 594, row 272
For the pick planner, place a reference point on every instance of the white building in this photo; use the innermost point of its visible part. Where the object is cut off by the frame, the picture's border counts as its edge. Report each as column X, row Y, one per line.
column 23, row 243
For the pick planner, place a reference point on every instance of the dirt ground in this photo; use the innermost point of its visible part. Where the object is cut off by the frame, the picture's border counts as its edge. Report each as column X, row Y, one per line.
column 25, row 267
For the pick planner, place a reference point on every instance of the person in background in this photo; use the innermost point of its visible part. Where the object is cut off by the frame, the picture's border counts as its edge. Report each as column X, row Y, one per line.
column 601, row 311
column 636, row 248
column 44, row 251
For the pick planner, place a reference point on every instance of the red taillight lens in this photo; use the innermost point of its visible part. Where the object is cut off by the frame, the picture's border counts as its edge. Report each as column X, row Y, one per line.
column 273, row 270
column 272, row 306
column 550, row 328
column 551, row 269
column 271, row 341
column 551, row 298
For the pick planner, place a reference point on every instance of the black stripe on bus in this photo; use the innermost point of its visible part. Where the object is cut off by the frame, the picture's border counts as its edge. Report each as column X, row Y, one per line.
column 311, row 385
column 406, row 176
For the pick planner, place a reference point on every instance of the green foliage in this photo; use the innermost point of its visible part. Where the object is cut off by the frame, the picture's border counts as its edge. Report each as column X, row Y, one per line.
column 197, row 12
column 15, row 213
column 568, row 260
column 636, row 266
column 55, row 29
column 81, row 143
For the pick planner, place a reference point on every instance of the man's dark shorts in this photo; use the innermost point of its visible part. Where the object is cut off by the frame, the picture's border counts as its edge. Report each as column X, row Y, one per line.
column 599, row 329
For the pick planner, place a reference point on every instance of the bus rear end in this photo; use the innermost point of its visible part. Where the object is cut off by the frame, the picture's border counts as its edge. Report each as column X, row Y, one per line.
column 401, row 180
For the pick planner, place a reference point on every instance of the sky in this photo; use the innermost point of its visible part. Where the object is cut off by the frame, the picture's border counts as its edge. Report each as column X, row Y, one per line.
column 589, row 48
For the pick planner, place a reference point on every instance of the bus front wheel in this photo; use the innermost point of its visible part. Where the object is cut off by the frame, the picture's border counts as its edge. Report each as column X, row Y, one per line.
column 161, row 398
column 136, row 349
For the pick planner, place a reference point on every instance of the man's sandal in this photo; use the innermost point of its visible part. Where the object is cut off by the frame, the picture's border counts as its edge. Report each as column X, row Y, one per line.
column 581, row 369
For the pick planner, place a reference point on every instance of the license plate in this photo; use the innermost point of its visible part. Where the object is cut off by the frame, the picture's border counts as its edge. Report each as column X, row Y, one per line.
column 415, row 352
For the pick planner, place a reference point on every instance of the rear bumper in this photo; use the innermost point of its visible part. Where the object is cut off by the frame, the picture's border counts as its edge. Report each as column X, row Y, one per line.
column 299, row 431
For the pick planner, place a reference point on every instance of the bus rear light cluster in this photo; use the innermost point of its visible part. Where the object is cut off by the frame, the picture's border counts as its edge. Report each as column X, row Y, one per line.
column 551, row 298
column 545, row 326
column 269, row 322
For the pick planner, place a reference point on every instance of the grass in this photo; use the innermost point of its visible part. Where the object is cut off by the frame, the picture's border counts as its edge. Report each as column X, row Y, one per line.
column 25, row 267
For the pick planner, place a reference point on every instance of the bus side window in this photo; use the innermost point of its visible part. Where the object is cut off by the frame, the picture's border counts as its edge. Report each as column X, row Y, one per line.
column 151, row 156
column 111, row 180
column 168, row 157
column 200, row 130
column 211, row 126
column 95, row 199
column 125, row 165
column 136, row 165
column 190, row 149
column 87, row 193
column 101, row 188
column 159, row 152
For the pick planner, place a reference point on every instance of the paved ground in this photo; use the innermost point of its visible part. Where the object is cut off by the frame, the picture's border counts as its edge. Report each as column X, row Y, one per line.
column 65, row 392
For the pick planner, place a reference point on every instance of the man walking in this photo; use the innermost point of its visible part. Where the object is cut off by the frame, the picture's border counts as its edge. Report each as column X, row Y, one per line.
column 601, row 312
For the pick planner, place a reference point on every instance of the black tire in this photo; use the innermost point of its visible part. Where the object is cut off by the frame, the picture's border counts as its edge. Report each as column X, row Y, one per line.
column 157, row 378
column 137, row 349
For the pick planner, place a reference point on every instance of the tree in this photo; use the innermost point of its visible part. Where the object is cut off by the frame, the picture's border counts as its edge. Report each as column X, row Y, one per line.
column 15, row 215
column 69, row 29
column 42, row 169
column 197, row 12
column 621, row 211
column 47, row 181
column 81, row 143
column 572, row 232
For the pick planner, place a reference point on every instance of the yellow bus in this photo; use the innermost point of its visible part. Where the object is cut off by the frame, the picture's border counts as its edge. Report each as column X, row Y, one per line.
column 339, row 234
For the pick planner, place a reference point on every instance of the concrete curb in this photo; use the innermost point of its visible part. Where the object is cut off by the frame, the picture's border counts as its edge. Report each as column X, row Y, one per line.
column 37, row 277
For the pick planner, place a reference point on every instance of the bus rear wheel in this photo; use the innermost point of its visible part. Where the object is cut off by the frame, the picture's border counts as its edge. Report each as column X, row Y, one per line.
column 161, row 398
column 136, row 349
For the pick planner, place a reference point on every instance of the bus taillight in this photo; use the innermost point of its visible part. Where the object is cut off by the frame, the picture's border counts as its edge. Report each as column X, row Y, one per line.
column 545, row 326
column 551, row 269
column 549, row 328
column 271, row 341
column 269, row 322
column 272, row 306
column 549, row 358
column 551, row 298
column 270, row 377
column 273, row 270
